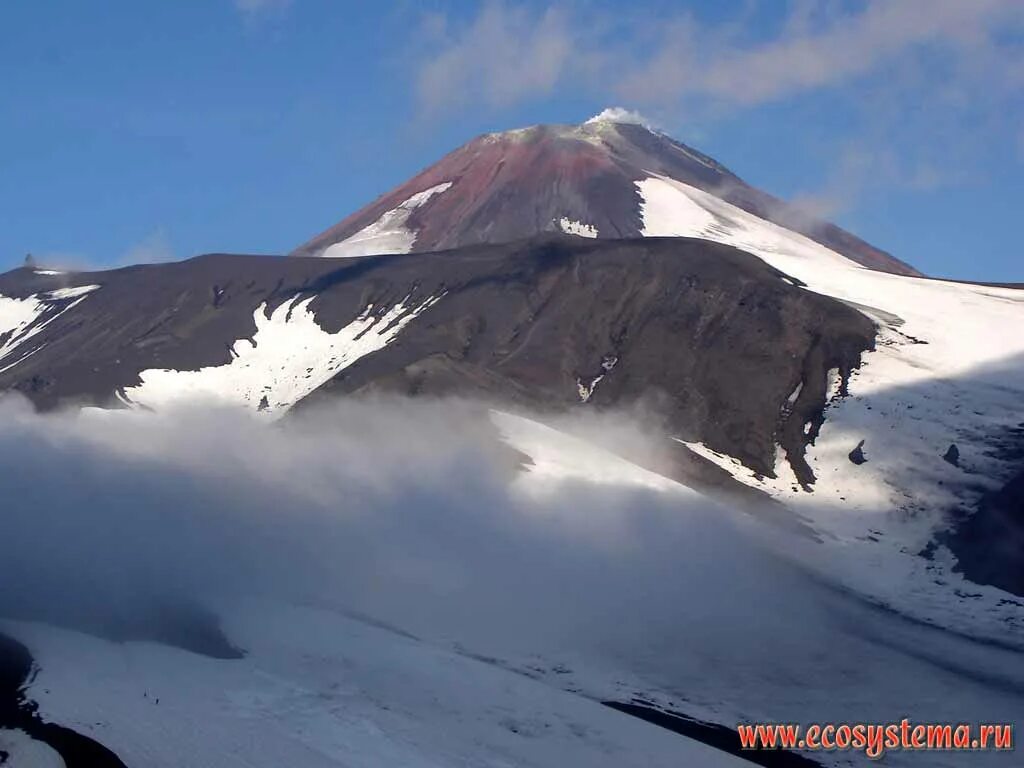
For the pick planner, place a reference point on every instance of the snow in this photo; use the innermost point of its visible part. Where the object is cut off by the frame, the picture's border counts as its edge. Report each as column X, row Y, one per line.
column 389, row 234
column 69, row 293
column 941, row 374
column 558, row 456
column 16, row 316
column 24, row 752
column 834, row 386
column 586, row 391
column 48, row 272
column 288, row 357
column 670, row 208
column 319, row 689
column 23, row 319
column 699, row 619
column 573, row 227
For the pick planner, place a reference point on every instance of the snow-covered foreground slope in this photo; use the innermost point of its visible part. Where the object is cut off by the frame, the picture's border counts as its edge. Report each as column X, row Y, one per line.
column 288, row 357
column 948, row 370
column 389, row 234
column 22, row 319
column 319, row 689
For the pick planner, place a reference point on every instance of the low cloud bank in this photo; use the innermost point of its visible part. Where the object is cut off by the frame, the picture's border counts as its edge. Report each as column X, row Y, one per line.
column 403, row 510
column 406, row 511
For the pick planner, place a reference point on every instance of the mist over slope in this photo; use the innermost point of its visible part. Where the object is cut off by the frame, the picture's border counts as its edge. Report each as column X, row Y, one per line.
column 415, row 515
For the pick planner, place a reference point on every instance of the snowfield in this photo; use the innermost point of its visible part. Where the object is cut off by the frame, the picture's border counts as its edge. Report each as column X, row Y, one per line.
column 22, row 319
column 288, row 357
column 389, row 234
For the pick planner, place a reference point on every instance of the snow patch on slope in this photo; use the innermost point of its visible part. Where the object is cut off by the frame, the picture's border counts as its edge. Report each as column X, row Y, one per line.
column 558, row 456
column 585, row 390
column 23, row 319
column 389, row 233
column 670, row 208
column 573, row 227
column 69, row 293
column 288, row 357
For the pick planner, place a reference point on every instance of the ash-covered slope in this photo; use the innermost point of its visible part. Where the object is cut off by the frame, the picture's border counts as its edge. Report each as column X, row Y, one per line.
column 715, row 338
column 584, row 180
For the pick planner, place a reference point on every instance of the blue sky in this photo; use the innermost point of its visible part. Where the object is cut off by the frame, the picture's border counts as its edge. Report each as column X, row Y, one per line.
column 145, row 131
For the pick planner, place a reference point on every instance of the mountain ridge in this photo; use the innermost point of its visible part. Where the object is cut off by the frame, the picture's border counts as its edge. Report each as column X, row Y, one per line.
column 550, row 322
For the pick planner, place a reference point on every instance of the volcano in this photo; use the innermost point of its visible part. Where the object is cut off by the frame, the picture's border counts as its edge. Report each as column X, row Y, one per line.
column 595, row 179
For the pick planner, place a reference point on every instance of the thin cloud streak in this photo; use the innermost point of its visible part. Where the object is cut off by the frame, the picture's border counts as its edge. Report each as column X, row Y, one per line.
column 251, row 9
column 508, row 54
column 928, row 87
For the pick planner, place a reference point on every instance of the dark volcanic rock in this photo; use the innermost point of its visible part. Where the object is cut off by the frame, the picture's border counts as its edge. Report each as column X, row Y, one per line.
column 720, row 737
column 988, row 541
column 17, row 712
column 952, row 455
column 712, row 337
column 857, row 454
column 517, row 184
column 989, row 545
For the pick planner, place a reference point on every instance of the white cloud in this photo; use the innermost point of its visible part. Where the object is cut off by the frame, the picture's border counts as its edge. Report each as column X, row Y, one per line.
column 505, row 55
column 620, row 115
column 926, row 88
column 254, row 8
column 508, row 53
column 859, row 166
column 153, row 249
column 398, row 508
column 808, row 56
